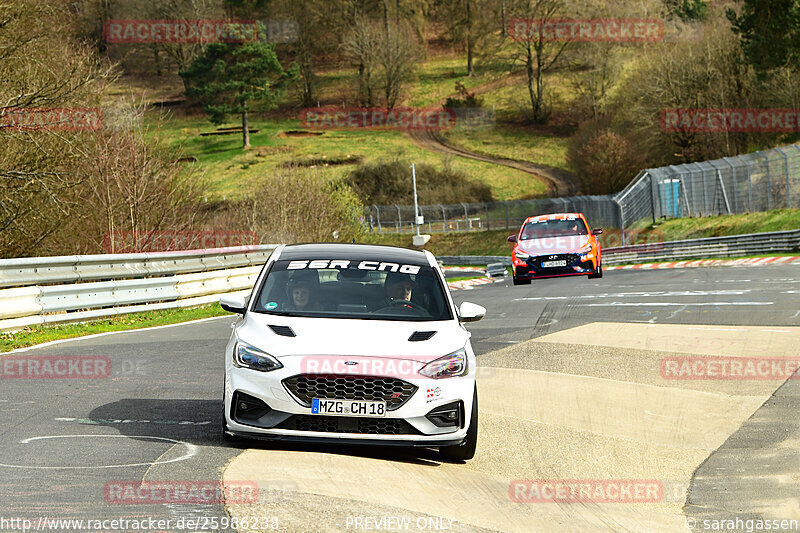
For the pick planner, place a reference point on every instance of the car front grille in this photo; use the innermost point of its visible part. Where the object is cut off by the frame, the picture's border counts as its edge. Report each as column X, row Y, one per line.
column 346, row 424
column 571, row 259
column 305, row 387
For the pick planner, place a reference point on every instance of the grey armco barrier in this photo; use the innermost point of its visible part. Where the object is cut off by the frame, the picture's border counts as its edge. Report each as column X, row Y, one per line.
column 731, row 246
column 50, row 290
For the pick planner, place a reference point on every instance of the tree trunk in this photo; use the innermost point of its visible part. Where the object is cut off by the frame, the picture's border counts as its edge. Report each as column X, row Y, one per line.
column 503, row 28
column 245, row 131
column 468, row 8
column 530, row 79
column 386, row 18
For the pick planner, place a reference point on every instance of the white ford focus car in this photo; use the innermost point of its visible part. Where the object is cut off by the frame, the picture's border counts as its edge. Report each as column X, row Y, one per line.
column 355, row 344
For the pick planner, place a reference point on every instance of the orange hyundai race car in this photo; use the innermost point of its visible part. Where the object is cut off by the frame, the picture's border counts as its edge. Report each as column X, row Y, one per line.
column 555, row 245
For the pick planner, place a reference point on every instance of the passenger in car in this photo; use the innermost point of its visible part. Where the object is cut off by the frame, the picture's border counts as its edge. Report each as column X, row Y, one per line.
column 303, row 295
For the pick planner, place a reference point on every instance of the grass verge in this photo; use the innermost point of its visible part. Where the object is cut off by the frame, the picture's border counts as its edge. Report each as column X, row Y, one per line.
column 40, row 334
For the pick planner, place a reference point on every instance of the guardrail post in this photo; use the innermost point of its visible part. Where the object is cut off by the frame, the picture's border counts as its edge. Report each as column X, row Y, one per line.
column 622, row 238
column 749, row 184
column 444, row 219
column 786, row 171
column 466, row 216
column 733, row 180
column 505, row 205
column 652, row 197
column 488, row 224
column 378, row 215
column 399, row 218
column 769, row 185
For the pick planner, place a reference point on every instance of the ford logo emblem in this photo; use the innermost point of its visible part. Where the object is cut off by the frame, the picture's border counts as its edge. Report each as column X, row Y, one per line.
column 351, row 362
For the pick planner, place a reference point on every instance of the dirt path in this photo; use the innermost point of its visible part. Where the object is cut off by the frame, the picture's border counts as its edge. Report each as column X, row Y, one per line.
column 559, row 181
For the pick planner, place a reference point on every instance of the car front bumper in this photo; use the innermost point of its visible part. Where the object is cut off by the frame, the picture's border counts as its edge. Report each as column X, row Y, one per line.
column 284, row 416
column 532, row 269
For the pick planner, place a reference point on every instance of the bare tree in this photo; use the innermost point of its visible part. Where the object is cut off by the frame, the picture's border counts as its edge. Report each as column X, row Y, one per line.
column 41, row 67
column 362, row 48
column 398, row 55
column 536, row 51
column 467, row 24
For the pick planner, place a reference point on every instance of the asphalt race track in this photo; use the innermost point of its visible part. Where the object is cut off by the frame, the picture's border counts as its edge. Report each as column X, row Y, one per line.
column 571, row 387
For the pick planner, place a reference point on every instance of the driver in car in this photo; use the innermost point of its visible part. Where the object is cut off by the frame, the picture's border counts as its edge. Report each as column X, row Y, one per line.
column 398, row 288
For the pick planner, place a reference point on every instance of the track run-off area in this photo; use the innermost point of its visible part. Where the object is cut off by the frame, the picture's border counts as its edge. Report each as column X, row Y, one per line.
column 618, row 404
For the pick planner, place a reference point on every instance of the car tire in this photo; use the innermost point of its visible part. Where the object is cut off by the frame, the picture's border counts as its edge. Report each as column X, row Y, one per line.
column 518, row 281
column 598, row 273
column 466, row 451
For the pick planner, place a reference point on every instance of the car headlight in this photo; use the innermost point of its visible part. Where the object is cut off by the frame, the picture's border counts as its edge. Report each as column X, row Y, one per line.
column 449, row 366
column 522, row 256
column 251, row 357
column 585, row 252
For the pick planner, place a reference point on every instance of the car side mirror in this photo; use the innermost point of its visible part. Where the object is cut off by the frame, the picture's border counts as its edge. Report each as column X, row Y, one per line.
column 512, row 238
column 469, row 312
column 233, row 304
column 597, row 232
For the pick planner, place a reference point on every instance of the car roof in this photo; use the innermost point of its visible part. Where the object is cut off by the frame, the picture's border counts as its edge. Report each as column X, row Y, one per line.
column 554, row 216
column 368, row 252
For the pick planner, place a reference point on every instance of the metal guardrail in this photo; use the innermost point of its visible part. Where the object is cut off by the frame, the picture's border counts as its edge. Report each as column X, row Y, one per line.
column 74, row 268
column 730, row 246
column 131, row 283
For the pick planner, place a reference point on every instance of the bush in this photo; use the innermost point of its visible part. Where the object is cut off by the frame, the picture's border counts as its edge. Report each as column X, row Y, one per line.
column 299, row 205
column 463, row 98
column 605, row 161
column 389, row 182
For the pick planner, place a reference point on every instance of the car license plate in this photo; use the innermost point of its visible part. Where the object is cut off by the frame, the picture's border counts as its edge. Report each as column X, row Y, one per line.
column 323, row 406
column 550, row 264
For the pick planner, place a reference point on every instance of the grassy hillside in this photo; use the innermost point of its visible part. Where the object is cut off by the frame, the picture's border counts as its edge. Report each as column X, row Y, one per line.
column 229, row 168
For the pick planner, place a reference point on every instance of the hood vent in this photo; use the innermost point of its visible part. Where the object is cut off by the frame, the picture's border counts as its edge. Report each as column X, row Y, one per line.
column 421, row 335
column 284, row 331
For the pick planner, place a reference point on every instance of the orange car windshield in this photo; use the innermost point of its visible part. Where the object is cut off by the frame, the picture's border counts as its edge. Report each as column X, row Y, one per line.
column 553, row 228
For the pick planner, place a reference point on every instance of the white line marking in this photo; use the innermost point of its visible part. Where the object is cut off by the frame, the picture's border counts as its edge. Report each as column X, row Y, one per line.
column 668, row 304
column 717, row 329
column 652, row 294
column 191, row 451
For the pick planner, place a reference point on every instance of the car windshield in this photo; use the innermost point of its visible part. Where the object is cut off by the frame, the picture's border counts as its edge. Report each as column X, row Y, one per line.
column 353, row 289
column 553, row 228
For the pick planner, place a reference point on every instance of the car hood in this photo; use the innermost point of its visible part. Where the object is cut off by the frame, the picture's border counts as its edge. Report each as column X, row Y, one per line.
column 553, row 245
column 351, row 337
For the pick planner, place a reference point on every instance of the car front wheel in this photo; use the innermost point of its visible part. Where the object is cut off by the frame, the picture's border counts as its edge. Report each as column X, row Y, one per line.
column 598, row 272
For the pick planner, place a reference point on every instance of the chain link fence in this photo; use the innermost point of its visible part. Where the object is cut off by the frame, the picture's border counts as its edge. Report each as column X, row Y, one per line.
column 487, row 215
column 753, row 182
